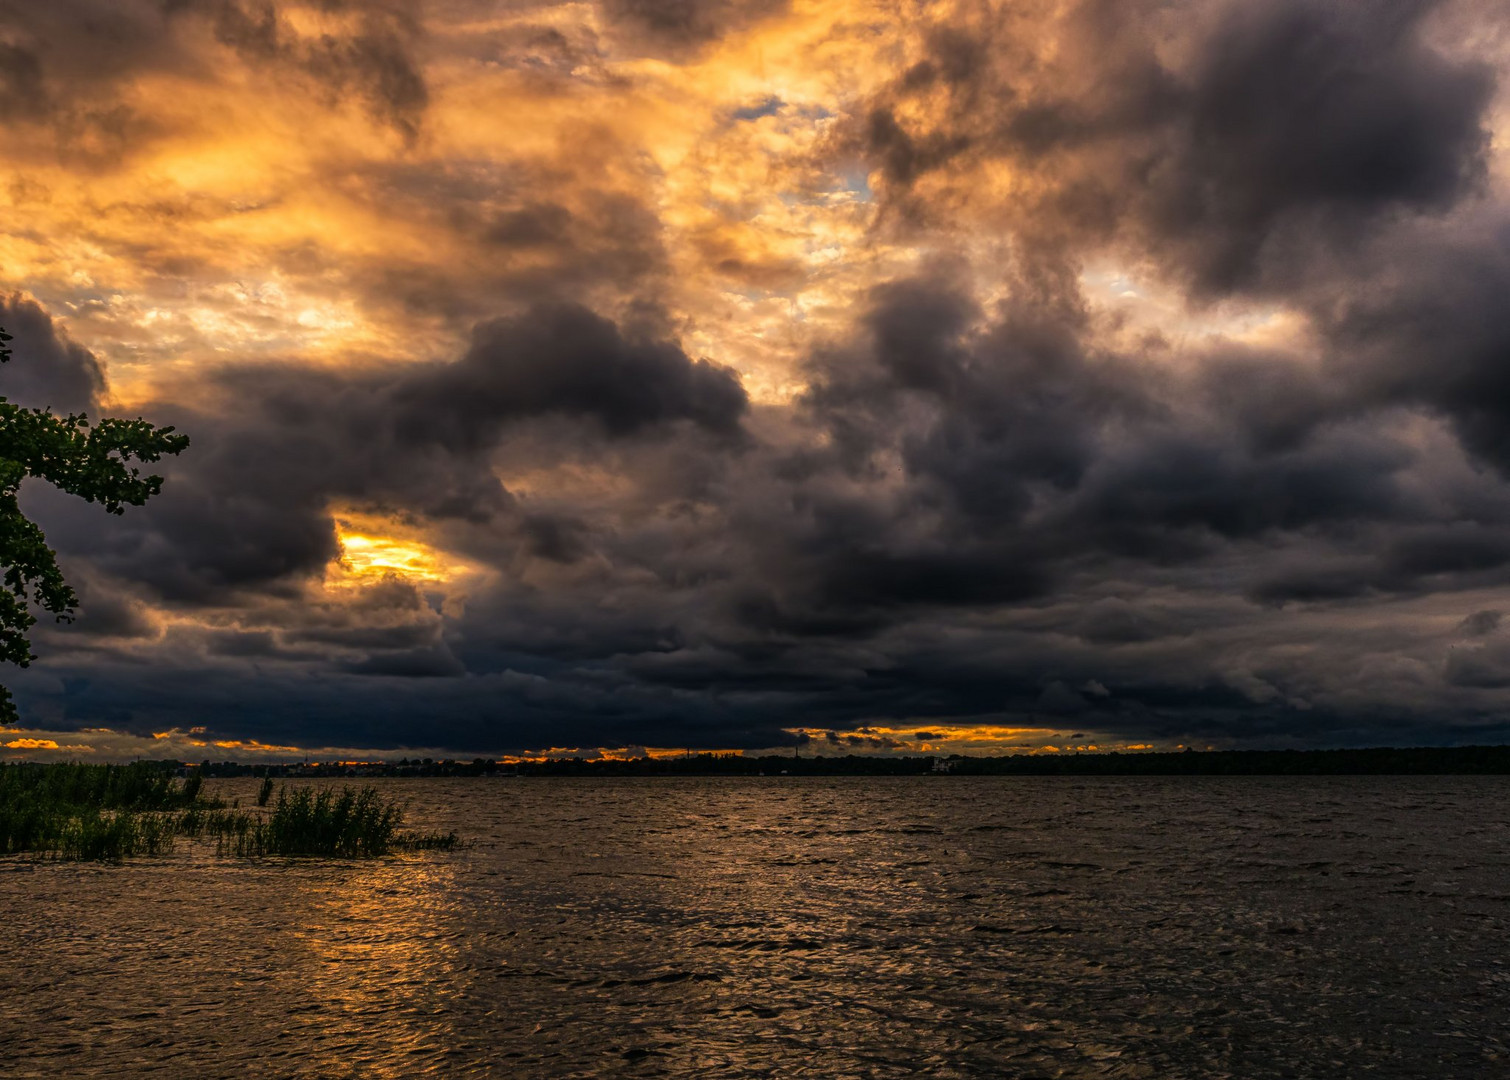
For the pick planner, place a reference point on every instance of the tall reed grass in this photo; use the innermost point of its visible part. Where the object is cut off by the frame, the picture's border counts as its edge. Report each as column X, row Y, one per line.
column 92, row 811
column 113, row 812
column 136, row 787
column 351, row 823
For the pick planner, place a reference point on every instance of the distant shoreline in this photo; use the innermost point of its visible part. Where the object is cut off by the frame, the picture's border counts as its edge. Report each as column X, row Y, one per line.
column 1374, row 761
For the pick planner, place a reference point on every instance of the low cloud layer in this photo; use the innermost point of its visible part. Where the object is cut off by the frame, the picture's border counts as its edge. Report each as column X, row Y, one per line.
column 1105, row 373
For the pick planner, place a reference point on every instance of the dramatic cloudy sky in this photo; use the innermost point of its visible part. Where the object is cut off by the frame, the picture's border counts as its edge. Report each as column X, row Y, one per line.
column 735, row 373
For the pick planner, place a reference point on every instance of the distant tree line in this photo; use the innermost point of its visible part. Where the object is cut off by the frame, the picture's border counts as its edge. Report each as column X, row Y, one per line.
column 1374, row 761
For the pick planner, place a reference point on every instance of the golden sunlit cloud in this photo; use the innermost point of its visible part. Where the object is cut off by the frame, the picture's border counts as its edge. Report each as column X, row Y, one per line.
column 253, row 746
column 952, row 738
column 368, row 556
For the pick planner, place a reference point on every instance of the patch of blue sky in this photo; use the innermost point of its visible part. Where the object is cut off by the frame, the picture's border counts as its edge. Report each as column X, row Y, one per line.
column 770, row 106
column 852, row 181
column 856, row 180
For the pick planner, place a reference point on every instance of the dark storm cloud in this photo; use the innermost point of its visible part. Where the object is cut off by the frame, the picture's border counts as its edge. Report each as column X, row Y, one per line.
column 432, row 663
column 74, row 47
column 67, row 61
column 1286, row 137
column 46, row 370
column 21, row 91
column 1485, row 666
column 903, row 156
column 1044, row 457
column 1427, row 325
column 251, row 507
column 377, row 709
column 531, row 231
column 992, row 422
column 1304, row 109
column 1115, row 621
column 1283, row 124
column 993, row 461
column 559, row 539
column 674, row 26
column 970, row 462
column 1312, row 152
column 104, row 611
column 1414, row 559
column 374, row 61
column 1481, row 623
column 563, row 359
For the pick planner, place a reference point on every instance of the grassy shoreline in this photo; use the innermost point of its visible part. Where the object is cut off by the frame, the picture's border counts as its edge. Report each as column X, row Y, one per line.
column 114, row 812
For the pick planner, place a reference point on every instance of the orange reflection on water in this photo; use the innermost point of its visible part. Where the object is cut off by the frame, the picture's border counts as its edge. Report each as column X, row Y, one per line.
column 376, row 950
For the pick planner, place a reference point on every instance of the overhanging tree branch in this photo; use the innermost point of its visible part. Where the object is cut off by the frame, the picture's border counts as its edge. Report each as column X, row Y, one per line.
column 93, row 462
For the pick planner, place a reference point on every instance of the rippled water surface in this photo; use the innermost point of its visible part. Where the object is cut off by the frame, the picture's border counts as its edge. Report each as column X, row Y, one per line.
column 950, row 927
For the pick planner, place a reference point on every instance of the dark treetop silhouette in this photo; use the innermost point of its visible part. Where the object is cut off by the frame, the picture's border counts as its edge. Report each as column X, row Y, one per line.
column 92, row 462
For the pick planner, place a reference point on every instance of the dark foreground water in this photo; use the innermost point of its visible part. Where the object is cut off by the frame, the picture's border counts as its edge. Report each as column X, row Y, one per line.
column 948, row 927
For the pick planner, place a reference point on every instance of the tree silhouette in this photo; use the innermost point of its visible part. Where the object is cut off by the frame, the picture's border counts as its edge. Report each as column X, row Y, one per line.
column 90, row 461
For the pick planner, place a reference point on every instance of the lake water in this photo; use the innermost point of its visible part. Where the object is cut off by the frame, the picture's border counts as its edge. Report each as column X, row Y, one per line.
column 858, row 927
